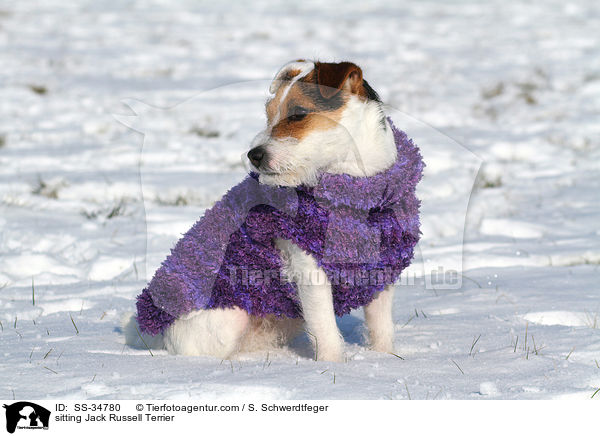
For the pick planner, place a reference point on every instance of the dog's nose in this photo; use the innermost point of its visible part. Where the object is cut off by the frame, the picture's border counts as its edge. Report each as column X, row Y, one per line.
column 256, row 155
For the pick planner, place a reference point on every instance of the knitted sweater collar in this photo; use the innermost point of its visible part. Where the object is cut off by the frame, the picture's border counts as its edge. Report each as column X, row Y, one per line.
column 381, row 189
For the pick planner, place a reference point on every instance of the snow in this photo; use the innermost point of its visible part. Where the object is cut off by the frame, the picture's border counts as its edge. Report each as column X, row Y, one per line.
column 503, row 99
column 488, row 389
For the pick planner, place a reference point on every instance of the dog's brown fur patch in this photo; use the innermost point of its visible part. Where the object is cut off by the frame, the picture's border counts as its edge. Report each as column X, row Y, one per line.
column 323, row 92
column 320, row 117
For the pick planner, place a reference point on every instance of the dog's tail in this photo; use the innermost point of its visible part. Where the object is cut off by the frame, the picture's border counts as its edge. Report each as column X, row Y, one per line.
column 135, row 338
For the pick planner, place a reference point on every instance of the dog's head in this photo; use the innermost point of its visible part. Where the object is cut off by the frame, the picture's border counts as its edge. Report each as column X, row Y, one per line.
column 322, row 117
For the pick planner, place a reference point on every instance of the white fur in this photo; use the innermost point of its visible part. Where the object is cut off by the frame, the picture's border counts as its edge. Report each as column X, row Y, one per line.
column 314, row 291
column 370, row 148
column 216, row 332
column 359, row 145
column 378, row 315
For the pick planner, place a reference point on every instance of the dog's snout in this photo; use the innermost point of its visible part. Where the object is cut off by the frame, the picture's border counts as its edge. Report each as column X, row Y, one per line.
column 256, row 155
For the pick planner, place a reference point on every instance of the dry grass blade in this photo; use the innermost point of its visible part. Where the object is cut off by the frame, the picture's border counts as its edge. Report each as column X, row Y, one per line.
column 267, row 362
column 38, row 89
column 135, row 269
column 570, row 352
column 399, row 357
column 536, row 350
column 473, row 344
column 144, row 342
column 459, row 368
column 409, row 320
column 73, row 321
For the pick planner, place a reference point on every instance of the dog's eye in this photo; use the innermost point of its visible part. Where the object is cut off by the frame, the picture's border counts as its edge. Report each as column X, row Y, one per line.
column 298, row 113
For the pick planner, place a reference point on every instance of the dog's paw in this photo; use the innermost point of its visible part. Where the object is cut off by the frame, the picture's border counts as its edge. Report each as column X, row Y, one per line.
column 330, row 354
column 383, row 346
column 330, row 358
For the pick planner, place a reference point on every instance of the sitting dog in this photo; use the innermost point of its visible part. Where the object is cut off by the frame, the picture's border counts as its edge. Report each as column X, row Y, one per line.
column 324, row 224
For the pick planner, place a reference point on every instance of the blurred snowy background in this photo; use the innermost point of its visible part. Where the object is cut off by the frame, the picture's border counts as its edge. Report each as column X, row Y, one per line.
column 509, row 88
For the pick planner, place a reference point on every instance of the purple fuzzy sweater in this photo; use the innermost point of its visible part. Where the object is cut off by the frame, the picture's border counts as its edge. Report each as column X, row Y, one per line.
column 361, row 231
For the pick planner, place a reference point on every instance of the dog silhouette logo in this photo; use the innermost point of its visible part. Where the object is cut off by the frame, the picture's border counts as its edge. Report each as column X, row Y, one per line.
column 26, row 415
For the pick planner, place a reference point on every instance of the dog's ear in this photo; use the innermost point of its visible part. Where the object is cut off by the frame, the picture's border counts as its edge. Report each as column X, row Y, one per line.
column 332, row 78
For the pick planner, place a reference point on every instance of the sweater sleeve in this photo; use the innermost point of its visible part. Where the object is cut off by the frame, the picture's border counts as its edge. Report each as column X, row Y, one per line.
column 185, row 280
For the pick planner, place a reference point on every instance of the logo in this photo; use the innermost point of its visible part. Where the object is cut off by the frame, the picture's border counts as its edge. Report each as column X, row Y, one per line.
column 25, row 415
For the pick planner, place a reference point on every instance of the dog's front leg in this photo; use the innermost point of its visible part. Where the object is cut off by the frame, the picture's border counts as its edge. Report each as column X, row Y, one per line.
column 378, row 315
column 317, row 310
column 314, row 291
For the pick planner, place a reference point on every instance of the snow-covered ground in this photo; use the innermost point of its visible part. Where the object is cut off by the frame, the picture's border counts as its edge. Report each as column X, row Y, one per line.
column 511, row 89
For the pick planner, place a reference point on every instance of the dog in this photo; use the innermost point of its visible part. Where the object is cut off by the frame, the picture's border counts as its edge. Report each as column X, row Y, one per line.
column 323, row 120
